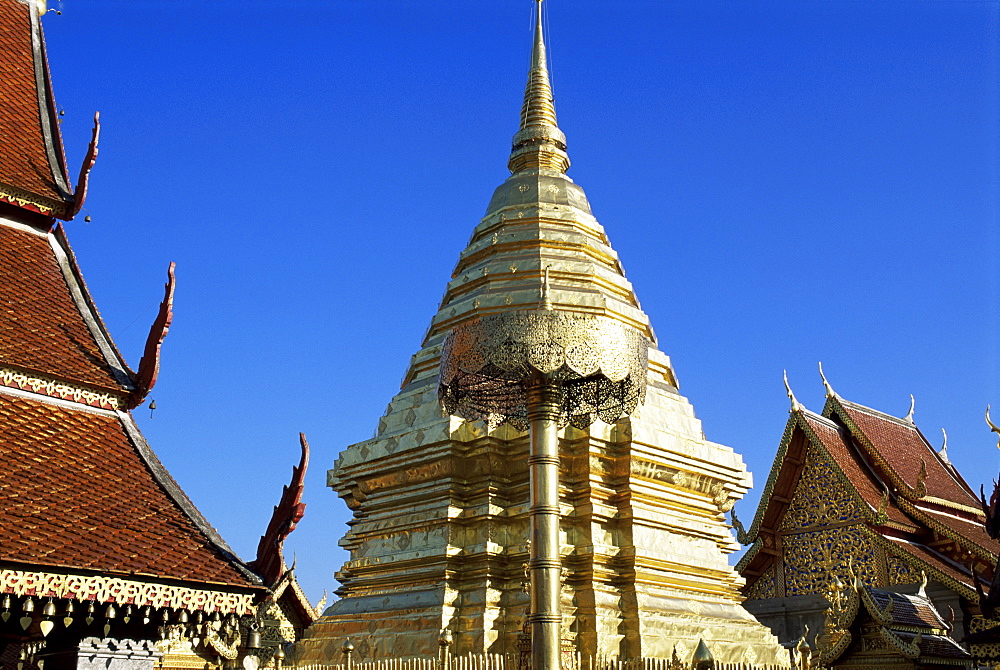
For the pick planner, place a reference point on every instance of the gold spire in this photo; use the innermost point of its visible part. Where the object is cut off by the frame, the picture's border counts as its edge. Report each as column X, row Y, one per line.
column 538, row 144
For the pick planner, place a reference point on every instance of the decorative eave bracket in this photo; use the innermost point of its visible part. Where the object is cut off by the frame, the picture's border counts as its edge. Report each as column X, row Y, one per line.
column 80, row 193
column 149, row 365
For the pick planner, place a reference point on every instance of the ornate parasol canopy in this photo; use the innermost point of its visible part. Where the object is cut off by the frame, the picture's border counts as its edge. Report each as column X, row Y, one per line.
column 597, row 364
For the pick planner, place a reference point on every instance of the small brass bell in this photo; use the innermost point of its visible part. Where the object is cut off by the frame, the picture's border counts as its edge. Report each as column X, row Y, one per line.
column 49, row 609
column 110, row 612
column 165, row 616
column 182, row 617
column 253, row 639
column 6, row 602
column 28, row 606
column 69, row 608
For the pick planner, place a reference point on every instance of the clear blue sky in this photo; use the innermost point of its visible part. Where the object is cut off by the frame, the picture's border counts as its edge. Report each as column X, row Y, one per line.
column 786, row 182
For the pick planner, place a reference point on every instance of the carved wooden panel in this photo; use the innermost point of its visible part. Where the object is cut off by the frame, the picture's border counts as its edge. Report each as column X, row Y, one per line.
column 821, row 497
column 812, row 559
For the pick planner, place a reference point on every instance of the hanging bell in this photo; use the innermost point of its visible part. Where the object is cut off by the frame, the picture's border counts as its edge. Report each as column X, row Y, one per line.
column 69, row 608
column 6, row 602
column 128, row 614
column 182, row 617
column 165, row 616
column 49, row 609
column 28, row 606
column 146, row 612
column 253, row 639
column 197, row 616
column 216, row 616
column 110, row 612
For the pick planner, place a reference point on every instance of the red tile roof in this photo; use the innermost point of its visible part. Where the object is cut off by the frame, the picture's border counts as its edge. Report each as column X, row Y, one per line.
column 972, row 530
column 78, row 493
column 945, row 568
column 41, row 326
column 908, row 610
column 903, row 448
column 30, row 146
column 836, row 441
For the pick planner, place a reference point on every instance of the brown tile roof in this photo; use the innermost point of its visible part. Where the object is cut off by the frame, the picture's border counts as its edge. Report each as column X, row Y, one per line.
column 971, row 530
column 937, row 646
column 908, row 610
column 903, row 448
column 78, row 493
column 41, row 326
column 30, row 146
column 836, row 442
column 939, row 567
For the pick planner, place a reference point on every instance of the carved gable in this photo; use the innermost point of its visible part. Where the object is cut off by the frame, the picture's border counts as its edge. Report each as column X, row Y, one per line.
column 821, row 497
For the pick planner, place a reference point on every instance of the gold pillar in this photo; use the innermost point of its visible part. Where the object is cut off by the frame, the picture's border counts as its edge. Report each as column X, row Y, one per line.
column 545, row 564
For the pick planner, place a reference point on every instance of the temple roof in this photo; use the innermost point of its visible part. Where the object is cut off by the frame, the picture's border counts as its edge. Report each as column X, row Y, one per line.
column 902, row 450
column 915, row 622
column 908, row 493
column 47, row 324
column 82, row 490
column 32, row 166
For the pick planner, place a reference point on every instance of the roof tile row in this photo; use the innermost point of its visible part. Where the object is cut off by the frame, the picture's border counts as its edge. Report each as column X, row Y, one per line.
column 84, row 498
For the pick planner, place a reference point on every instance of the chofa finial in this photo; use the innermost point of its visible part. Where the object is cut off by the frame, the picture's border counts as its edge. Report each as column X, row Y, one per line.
column 830, row 393
column 796, row 406
column 909, row 414
column 993, row 426
column 943, row 453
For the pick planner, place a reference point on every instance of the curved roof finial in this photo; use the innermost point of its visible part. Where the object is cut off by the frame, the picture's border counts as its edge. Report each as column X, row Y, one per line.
column 796, row 406
column 538, row 144
column 993, row 426
column 909, row 414
column 830, row 393
column 943, row 453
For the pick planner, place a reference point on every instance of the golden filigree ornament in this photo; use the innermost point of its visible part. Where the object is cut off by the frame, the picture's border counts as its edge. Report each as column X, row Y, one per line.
column 223, row 638
column 121, row 591
column 599, row 366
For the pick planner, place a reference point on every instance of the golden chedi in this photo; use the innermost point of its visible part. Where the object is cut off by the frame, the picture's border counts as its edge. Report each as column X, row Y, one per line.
column 439, row 539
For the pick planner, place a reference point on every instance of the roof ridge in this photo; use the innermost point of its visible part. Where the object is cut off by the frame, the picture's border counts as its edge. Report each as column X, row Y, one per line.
column 822, row 419
column 80, row 295
column 882, row 415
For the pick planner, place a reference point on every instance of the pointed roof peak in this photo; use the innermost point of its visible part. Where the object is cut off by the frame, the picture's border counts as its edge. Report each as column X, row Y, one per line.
column 539, row 144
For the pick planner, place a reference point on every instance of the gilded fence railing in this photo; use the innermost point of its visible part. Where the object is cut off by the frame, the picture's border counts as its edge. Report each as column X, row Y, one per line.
column 510, row 662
